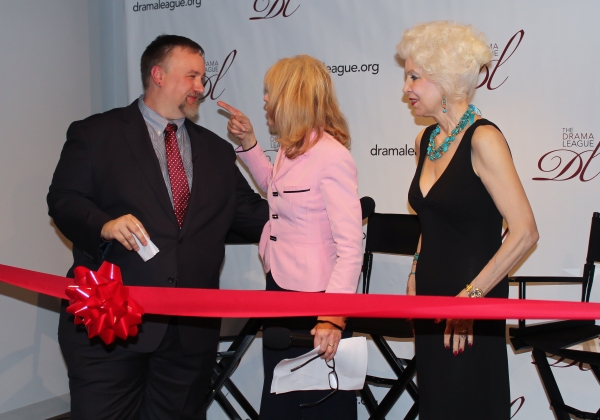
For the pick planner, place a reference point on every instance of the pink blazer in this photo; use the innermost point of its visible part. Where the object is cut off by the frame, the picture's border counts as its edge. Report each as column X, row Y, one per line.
column 313, row 240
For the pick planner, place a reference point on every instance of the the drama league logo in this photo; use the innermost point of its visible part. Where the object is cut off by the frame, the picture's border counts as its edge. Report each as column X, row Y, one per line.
column 573, row 160
column 270, row 9
column 217, row 71
column 492, row 77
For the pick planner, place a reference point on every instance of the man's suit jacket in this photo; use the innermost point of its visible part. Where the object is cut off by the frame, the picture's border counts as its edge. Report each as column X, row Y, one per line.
column 313, row 241
column 108, row 168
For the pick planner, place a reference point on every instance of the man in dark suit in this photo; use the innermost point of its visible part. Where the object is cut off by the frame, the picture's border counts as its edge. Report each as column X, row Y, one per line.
column 147, row 170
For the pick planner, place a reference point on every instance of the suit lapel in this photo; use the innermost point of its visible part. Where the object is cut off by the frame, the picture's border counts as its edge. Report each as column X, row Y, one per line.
column 136, row 134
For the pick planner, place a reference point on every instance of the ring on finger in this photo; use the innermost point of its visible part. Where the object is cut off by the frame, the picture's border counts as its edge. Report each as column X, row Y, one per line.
column 330, row 344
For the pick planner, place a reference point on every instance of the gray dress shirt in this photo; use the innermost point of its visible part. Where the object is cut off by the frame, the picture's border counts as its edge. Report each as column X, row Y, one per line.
column 156, row 126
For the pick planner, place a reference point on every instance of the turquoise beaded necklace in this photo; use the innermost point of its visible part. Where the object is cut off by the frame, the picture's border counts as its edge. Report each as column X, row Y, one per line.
column 467, row 118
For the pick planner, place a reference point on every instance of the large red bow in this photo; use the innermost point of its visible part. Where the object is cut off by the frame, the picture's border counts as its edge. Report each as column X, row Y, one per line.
column 101, row 303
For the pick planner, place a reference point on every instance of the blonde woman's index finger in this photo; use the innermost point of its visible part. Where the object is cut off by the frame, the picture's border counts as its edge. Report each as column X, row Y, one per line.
column 228, row 108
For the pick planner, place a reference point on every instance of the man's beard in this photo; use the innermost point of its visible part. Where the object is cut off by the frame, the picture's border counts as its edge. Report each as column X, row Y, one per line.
column 190, row 111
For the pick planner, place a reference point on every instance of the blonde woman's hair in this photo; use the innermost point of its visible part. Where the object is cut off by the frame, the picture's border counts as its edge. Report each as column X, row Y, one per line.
column 302, row 100
column 450, row 54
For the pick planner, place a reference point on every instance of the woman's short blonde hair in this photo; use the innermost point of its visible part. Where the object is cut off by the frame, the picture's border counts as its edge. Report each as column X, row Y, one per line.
column 451, row 55
column 302, row 100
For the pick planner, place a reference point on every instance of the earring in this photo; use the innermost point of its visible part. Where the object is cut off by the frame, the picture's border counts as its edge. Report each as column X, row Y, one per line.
column 444, row 104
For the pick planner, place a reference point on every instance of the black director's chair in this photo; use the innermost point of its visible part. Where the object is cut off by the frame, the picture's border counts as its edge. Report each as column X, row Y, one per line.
column 392, row 234
column 553, row 338
column 226, row 365
column 228, row 361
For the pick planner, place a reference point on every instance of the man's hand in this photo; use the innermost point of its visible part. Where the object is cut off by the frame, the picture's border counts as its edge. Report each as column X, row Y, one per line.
column 123, row 229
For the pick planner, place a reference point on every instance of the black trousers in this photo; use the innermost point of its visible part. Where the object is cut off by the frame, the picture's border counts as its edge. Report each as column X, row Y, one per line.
column 341, row 405
column 111, row 382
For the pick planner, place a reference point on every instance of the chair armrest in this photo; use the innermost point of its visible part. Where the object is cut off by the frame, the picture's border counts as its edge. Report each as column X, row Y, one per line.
column 547, row 327
column 523, row 280
column 522, row 283
column 545, row 279
column 526, row 337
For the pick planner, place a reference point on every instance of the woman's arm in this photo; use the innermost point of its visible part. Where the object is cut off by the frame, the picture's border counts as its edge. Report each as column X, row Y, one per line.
column 339, row 188
column 240, row 126
column 493, row 163
column 250, row 152
column 411, row 286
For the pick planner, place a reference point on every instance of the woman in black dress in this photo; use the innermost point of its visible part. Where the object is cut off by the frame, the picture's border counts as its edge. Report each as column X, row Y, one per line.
column 464, row 186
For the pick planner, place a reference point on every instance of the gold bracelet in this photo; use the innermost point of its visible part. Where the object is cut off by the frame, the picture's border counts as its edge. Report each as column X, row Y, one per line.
column 473, row 292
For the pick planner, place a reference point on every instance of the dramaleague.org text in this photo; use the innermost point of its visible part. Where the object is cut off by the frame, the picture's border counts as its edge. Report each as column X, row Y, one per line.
column 392, row 151
column 353, row 68
column 165, row 5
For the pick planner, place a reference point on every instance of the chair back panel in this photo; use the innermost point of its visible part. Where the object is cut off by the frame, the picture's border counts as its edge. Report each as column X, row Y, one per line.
column 593, row 254
column 393, row 233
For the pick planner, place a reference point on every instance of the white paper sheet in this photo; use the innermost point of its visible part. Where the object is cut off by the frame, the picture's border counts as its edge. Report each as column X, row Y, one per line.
column 148, row 251
column 350, row 366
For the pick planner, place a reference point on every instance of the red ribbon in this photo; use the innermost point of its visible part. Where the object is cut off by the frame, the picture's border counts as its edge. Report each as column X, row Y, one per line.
column 101, row 303
column 261, row 304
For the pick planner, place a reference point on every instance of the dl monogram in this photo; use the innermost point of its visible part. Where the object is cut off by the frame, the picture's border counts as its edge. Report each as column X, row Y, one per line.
column 213, row 80
column 566, row 164
column 275, row 8
column 509, row 50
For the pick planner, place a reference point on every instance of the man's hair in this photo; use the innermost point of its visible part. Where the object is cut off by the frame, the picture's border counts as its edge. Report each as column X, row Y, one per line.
column 158, row 51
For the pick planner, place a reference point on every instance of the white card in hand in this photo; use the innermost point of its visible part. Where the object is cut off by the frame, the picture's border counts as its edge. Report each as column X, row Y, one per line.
column 148, row 251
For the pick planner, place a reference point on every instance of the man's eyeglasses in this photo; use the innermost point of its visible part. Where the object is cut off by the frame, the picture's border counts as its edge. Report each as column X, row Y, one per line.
column 332, row 376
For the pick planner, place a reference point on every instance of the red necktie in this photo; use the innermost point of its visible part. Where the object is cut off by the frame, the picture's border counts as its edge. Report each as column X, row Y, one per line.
column 179, row 182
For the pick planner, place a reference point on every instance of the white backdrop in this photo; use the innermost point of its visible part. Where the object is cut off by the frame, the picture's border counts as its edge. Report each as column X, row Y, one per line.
column 541, row 90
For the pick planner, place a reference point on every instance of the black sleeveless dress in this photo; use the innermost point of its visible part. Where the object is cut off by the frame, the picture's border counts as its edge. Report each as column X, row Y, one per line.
column 461, row 231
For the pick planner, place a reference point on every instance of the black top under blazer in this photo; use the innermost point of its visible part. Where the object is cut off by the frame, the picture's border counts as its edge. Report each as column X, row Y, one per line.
column 107, row 169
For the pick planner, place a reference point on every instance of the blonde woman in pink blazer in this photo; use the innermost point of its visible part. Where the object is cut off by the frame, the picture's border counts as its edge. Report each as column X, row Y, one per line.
column 313, row 240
